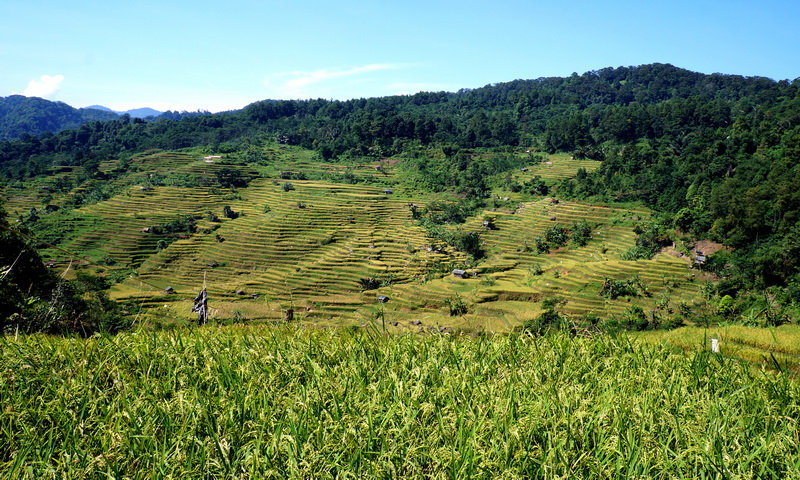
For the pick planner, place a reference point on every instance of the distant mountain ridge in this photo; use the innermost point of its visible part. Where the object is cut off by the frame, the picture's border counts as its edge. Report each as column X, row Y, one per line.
column 20, row 115
column 134, row 112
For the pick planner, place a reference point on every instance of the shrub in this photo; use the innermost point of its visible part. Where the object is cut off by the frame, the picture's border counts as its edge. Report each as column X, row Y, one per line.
column 633, row 319
column 371, row 283
column 228, row 212
column 541, row 245
column 581, row 233
column 613, row 289
column 231, row 178
column 556, row 235
column 549, row 320
column 456, row 305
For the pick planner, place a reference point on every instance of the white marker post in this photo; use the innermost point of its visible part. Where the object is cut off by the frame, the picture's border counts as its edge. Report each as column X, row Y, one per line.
column 715, row 345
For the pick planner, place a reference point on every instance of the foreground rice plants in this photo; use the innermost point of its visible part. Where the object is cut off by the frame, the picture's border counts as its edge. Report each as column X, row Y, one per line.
column 285, row 402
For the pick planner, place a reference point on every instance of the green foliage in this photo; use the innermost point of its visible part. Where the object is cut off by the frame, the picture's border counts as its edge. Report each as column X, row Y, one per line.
column 634, row 319
column 556, row 236
column 467, row 242
column 534, row 186
column 715, row 153
column 630, row 287
column 651, row 237
column 456, row 306
column 541, row 245
column 181, row 224
column 371, row 283
column 23, row 117
column 550, row 320
column 32, row 298
column 581, row 233
column 448, row 213
column 726, row 306
column 231, row 178
column 228, row 212
column 341, row 401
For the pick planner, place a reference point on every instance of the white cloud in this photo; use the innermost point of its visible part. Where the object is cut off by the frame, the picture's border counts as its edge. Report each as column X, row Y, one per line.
column 294, row 84
column 43, row 87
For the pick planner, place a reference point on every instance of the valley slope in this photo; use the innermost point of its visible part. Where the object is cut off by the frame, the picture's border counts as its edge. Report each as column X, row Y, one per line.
column 313, row 247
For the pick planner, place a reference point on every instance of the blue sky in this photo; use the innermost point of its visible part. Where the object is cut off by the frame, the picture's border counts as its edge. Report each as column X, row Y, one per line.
column 189, row 55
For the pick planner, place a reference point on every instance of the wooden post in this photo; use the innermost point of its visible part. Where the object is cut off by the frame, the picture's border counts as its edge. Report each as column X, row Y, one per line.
column 201, row 306
column 715, row 345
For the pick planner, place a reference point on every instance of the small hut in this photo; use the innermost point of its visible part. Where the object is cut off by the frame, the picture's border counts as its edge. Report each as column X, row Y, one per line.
column 388, row 191
column 458, row 273
column 383, row 298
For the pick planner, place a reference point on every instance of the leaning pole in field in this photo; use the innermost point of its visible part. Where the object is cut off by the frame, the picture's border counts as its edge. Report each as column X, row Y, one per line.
column 201, row 304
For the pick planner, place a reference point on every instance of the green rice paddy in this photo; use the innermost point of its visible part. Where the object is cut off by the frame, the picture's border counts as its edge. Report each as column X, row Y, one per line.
column 308, row 248
column 299, row 402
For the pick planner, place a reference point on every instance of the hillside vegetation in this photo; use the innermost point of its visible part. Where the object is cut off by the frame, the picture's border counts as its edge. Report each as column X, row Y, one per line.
column 31, row 116
column 715, row 154
column 360, row 258
column 246, row 402
column 590, row 192
column 327, row 241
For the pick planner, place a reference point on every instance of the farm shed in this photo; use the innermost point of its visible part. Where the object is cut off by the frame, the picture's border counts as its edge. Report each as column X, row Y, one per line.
column 383, row 298
column 388, row 191
column 460, row 273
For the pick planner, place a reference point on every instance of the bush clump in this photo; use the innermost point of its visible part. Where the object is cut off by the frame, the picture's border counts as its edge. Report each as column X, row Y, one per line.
column 631, row 287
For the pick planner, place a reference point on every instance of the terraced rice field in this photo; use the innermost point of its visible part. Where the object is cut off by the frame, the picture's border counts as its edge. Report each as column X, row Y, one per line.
column 508, row 288
column 777, row 348
column 558, row 167
column 308, row 248
column 308, row 258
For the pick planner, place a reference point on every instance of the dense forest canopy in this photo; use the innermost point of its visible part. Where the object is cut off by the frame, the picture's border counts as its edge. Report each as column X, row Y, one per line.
column 717, row 154
column 22, row 117
column 25, row 116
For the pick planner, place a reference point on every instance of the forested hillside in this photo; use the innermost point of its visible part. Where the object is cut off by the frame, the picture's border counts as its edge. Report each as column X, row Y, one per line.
column 25, row 116
column 716, row 154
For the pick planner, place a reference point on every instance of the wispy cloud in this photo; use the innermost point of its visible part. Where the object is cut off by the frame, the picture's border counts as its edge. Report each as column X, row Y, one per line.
column 43, row 87
column 296, row 84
